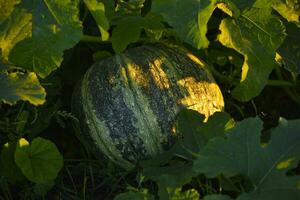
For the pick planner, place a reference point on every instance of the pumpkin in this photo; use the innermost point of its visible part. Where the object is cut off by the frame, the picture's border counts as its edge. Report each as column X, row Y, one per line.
column 126, row 104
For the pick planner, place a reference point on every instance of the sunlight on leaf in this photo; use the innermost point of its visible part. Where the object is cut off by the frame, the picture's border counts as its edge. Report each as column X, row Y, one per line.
column 258, row 48
column 16, row 86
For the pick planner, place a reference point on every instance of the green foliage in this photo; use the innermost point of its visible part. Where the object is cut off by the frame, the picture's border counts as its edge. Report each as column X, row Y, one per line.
column 289, row 50
column 256, row 34
column 21, row 86
column 97, row 9
column 39, row 161
column 266, row 167
column 54, row 27
column 219, row 159
column 188, row 18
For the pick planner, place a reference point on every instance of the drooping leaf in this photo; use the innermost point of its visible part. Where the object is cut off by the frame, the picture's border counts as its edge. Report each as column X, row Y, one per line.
column 128, row 30
column 290, row 49
column 39, row 161
column 55, row 28
column 256, row 34
column 189, row 18
column 97, row 9
column 16, row 86
column 266, row 168
column 134, row 195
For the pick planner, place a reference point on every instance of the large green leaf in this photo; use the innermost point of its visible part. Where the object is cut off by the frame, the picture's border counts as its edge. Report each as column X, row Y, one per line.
column 189, row 18
column 290, row 49
column 14, row 29
column 256, row 34
column 128, row 30
column 266, row 167
column 55, row 28
column 39, row 161
column 97, row 9
column 16, row 86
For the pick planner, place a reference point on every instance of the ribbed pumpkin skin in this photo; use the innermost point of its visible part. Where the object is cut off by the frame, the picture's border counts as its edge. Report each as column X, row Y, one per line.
column 127, row 104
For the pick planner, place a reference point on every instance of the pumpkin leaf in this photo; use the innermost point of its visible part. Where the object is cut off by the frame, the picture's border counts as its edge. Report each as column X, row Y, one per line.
column 197, row 133
column 128, row 30
column 256, row 34
column 189, row 18
column 15, row 86
column 14, row 29
column 97, row 9
column 289, row 9
column 289, row 51
column 39, row 161
column 266, row 167
column 55, row 28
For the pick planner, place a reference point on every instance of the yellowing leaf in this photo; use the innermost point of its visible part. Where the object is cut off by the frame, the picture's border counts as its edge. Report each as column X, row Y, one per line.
column 16, row 86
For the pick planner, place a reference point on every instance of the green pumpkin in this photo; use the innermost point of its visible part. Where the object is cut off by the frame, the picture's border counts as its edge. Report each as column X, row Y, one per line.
column 126, row 104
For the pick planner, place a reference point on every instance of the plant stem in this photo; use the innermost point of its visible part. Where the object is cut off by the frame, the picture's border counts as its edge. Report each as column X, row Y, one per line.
column 280, row 83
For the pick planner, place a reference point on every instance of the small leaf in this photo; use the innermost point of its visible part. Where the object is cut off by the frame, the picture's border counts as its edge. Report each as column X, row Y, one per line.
column 16, row 86
column 40, row 162
column 97, row 9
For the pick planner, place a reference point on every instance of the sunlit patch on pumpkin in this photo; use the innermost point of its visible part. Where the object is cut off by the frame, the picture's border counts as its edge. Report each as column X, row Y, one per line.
column 136, row 73
column 197, row 98
column 158, row 74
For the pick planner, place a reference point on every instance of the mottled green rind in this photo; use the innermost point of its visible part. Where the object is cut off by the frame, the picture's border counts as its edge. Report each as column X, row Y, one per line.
column 126, row 104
